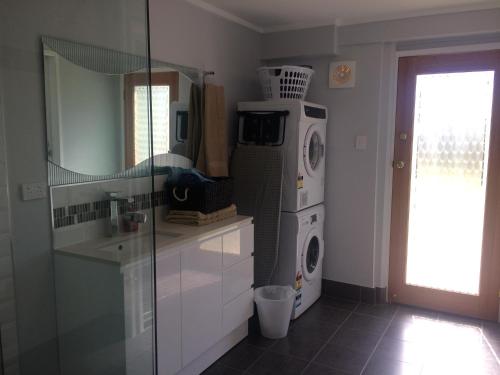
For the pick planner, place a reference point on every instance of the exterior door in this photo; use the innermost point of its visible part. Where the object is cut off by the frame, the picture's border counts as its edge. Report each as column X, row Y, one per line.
column 445, row 206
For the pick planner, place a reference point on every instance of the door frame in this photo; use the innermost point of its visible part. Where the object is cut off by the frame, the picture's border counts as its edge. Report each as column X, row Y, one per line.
column 486, row 304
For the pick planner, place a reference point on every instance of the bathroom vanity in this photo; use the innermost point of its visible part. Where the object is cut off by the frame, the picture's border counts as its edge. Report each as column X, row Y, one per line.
column 204, row 298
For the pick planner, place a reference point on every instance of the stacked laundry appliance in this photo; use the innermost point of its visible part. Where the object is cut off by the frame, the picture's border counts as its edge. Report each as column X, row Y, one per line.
column 298, row 129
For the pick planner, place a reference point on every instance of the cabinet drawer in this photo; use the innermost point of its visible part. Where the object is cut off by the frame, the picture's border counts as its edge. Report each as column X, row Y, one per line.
column 237, row 312
column 237, row 245
column 236, row 279
column 201, row 297
column 168, row 304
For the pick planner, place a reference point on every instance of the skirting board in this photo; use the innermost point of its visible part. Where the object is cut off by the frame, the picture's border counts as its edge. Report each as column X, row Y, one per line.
column 354, row 292
column 204, row 361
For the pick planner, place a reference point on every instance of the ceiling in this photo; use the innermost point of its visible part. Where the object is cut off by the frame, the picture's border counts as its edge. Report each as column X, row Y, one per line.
column 275, row 15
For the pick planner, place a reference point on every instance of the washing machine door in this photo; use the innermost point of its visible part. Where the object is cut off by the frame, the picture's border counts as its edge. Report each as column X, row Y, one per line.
column 314, row 150
column 312, row 254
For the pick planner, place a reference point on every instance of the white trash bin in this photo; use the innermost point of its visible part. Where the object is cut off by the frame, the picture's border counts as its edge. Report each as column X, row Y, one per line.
column 274, row 305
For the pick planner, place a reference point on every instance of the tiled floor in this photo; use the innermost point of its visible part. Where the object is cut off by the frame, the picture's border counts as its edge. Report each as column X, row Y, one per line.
column 341, row 337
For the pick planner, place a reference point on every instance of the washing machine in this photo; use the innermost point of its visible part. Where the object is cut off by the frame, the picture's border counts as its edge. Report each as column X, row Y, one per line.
column 299, row 128
column 301, row 251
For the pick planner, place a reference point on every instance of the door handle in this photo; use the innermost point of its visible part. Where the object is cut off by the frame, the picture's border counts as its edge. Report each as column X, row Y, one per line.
column 398, row 164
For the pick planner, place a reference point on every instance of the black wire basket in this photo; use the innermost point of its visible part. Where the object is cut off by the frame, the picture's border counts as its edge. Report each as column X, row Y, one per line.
column 205, row 197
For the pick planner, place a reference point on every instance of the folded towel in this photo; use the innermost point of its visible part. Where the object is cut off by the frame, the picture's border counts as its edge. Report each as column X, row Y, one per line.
column 198, row 218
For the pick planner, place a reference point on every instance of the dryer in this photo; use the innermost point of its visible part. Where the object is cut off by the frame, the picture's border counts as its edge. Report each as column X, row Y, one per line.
column 299, row 128
column 301, row 251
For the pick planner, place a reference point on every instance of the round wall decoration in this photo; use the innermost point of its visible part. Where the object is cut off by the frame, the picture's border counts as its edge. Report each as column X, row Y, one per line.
column 342, row 74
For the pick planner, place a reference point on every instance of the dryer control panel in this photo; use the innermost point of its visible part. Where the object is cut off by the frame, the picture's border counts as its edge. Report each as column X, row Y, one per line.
column 309, row 219
column 314, row 112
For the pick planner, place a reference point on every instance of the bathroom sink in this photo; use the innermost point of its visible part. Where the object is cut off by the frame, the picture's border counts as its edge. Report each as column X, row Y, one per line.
column 134, row 243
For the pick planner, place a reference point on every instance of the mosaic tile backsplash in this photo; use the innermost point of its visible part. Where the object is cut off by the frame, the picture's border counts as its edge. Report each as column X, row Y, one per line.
column 84, row 212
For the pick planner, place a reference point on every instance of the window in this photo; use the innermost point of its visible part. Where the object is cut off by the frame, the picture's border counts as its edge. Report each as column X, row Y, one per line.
column 164, row 90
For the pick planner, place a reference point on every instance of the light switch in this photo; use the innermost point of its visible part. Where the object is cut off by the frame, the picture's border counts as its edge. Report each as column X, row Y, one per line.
column 361, row 142
column 34, row 190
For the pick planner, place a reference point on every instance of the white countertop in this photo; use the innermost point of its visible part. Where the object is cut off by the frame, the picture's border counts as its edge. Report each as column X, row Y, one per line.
column 128, row 248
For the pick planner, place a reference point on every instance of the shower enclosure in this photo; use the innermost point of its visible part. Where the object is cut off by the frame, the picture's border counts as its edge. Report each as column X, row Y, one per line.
column 102, row 195
column 97, row 124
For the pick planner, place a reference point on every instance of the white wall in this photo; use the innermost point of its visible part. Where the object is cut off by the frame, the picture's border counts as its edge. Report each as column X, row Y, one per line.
column 317, row 41
column 452, row 25
column 8, row 321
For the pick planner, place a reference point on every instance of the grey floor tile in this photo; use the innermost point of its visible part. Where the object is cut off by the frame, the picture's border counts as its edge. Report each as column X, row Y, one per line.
column 467, row 353
column 407, row 314
column 366, row 323
column 303, row 346
column 325, row 313
column 360, row 341
column 241, row 356
column 383, row 310
column 415, row 340
column 273, row 363
column 460, row 366
column 342, row 358
column 494, row 346
column 378, row 366
column 256, row 339
column 344, row 304
column 316, row 369
column 491, row 330
column 315, row 328
column 417, row 331
column 405, row 351
column 218, row 369
column 461, row 320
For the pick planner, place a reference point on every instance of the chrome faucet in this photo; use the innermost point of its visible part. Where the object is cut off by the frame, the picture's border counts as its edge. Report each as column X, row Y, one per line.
column 114, row 214
column 128, row 217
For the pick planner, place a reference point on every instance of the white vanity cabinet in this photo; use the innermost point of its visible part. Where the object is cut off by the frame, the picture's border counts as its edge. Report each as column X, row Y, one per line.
column 201, row 285
column 168, row 304
column 204, row 298
column 237, row 277
column 216, row 299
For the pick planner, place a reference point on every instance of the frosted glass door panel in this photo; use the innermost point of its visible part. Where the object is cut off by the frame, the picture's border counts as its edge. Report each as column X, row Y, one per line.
column 448, row 180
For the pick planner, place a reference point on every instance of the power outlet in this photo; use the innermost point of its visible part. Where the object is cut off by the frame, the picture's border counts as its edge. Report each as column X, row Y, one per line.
column 34, row 190
column 361, row 142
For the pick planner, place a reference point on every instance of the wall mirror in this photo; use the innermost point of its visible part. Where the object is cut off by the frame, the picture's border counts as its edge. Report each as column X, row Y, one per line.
column 97, row 109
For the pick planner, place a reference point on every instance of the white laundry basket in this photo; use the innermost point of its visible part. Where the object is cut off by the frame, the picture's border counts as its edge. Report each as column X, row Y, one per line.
column 274, row 305
column 285, row 82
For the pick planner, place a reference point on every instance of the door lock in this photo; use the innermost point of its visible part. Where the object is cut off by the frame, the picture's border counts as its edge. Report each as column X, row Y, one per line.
column 398, row 164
